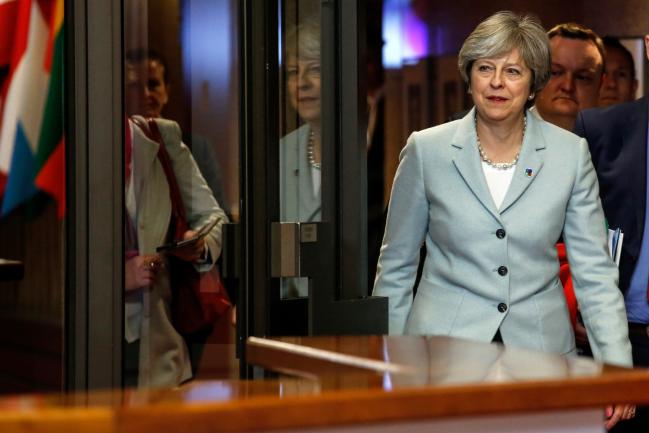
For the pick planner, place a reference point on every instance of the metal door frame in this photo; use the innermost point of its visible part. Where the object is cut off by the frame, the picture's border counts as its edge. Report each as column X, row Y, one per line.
column 94, row 228
column 343, row 182
column 94, row 130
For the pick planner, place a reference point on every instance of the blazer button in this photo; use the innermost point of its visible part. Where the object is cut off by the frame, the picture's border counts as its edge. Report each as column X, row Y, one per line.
column 502, row 270
column 502, row 307
column 500, row 233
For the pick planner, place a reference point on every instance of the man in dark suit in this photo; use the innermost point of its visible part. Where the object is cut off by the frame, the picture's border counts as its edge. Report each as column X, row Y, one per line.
column 617, row 137
column 619, row 83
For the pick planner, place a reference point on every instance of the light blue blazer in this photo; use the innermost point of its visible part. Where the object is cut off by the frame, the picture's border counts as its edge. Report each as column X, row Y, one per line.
column 475, row 282
column 298, row 201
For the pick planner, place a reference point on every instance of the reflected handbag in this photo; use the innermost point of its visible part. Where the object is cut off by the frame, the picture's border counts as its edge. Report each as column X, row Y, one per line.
column 198, row 299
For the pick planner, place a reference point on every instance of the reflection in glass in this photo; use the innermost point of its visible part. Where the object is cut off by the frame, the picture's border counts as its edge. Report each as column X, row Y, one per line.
column 443, row 360
column 189, row 100
column 301, row 149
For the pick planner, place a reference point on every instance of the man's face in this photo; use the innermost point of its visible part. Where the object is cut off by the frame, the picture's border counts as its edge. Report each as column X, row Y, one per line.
column 146, row 90
column 575, row 81
column 618, row 84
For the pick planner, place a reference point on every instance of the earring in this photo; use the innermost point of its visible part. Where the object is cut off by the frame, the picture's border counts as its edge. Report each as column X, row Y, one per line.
column 531, row 97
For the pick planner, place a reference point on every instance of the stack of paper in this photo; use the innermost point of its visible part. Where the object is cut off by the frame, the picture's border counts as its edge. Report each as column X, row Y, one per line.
column 615, row 239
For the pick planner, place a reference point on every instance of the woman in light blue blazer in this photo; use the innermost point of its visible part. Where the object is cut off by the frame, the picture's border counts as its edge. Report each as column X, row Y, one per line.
column 300, row 151
column 490, row 194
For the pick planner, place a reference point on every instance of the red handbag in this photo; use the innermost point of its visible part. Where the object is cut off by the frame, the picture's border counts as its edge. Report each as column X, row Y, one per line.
column 198, row 299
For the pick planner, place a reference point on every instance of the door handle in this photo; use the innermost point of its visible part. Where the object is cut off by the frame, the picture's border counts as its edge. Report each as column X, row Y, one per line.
column 286, row 239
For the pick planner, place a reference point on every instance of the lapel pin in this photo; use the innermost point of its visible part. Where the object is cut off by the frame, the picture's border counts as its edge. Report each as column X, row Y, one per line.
column 529, row 172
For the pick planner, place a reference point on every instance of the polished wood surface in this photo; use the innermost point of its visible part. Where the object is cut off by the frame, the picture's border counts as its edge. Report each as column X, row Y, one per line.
column 11, row 270
column 197, row 406
column 419, row 361
column 464, row 377
column 344, row 381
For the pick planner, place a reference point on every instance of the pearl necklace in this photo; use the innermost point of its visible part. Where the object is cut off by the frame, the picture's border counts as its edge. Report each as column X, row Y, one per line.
column 310, row 153
column 485, row 158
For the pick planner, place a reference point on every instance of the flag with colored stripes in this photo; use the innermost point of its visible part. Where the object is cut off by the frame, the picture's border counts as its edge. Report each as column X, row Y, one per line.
column 32, row 153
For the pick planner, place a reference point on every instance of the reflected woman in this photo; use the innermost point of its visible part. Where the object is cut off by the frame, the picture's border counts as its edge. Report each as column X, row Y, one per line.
column 155, row 354
column 300, row 150
column 490, row 194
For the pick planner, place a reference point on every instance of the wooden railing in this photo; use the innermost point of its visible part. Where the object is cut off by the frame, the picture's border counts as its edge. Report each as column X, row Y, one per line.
column 348, row 381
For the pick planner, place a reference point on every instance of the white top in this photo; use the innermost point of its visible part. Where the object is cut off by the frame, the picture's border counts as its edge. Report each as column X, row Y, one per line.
column 498, row 181
column 316, row 175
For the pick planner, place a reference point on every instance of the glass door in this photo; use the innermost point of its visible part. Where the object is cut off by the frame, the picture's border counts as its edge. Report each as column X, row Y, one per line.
column 305, row 190
column 252, row 91
column 181, row 189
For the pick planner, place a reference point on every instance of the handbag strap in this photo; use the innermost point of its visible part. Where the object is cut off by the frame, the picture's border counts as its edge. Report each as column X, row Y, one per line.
column 151, row 130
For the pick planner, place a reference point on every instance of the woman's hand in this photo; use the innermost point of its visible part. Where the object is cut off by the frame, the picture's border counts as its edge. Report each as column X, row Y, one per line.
column 233, row 315
column 617, row 413
column 192, row 252
column 141, row 271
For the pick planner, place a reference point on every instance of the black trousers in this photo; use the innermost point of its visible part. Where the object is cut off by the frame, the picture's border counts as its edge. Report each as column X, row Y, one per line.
column 131, row 363
column 196, row 345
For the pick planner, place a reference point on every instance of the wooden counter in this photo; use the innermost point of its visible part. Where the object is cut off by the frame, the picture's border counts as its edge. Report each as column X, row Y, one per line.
column 357, row 384
column 219, row 406
column 440, row 377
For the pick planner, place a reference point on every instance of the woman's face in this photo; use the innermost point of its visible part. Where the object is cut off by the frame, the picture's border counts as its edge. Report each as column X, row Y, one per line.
column 303, row 84
column 500, row 86
column 145, row 90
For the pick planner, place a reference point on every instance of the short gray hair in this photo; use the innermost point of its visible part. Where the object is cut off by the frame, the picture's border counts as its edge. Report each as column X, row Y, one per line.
column 303, row 40
column 501, row 33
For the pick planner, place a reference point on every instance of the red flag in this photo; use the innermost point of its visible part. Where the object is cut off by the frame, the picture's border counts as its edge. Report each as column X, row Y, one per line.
column 51, row 178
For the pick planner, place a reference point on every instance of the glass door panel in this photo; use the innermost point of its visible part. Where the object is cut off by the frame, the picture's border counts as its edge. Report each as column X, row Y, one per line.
column 181, row 99
column 320, row 236
column 300, row 148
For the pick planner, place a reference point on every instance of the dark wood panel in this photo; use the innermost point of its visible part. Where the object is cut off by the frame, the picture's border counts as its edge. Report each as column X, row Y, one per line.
column 32, row 356
column 11, row 270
